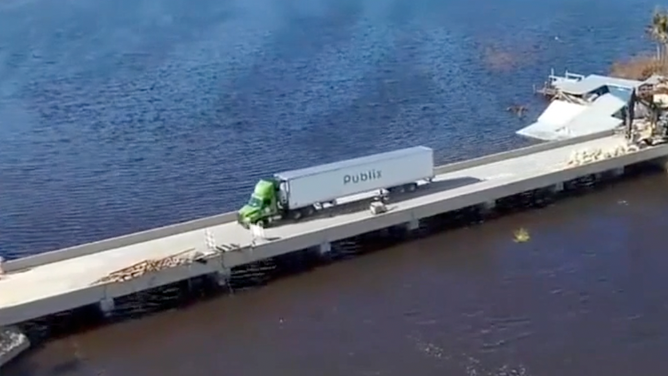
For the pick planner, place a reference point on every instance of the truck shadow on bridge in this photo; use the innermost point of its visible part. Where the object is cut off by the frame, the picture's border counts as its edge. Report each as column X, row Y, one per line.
column 443, row 185
column 423, row 190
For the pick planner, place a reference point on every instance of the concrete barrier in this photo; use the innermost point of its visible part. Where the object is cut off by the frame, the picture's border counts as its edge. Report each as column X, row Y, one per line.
column 144, row 236
column 492, row 158
column 12, row 343
column 118, row 242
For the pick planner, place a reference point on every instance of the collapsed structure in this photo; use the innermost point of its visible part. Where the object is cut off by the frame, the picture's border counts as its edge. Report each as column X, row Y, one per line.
column 582, row 105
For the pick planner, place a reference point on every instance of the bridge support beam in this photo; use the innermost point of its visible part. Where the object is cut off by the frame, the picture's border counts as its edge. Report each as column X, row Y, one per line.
column 413, row 225
column 661, row 162
column 222, row 277
column 107, row 306
column 617, row 172
column 325, row 248
column 487, row 207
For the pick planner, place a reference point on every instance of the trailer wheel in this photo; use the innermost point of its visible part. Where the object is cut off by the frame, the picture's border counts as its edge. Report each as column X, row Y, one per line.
column 296, row 215
column 309, row 211
column 411, row 187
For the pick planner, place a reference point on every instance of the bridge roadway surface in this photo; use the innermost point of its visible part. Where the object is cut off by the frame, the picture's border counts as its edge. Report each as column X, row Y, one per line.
column 58, row 286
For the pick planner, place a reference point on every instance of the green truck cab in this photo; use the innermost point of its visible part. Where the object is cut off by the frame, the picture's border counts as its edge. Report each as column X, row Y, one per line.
column 262, row 206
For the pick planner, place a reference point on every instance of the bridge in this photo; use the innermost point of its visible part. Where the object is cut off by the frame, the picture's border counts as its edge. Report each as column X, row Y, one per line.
column 100, row 272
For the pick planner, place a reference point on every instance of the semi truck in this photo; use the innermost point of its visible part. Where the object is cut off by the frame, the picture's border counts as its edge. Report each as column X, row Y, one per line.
column 300, row 193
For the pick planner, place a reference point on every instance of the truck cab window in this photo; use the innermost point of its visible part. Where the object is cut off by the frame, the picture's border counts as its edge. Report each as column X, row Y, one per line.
column 254, row 202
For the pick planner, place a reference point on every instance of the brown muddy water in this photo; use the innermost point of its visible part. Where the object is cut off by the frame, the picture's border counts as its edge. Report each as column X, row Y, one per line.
column 584, row 296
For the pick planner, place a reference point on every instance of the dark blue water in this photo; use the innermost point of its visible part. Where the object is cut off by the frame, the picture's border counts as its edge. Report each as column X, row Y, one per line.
column 118, row 116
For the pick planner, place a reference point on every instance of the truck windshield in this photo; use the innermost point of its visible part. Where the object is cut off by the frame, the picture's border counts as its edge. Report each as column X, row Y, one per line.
column 255, row 202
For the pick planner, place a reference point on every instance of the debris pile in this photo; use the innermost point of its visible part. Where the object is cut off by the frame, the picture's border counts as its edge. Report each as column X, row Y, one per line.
column 12, row 343
column 582, row 157
column 148, row 266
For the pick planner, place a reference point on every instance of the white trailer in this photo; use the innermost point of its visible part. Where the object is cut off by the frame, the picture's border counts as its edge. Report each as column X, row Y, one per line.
column 392, row 172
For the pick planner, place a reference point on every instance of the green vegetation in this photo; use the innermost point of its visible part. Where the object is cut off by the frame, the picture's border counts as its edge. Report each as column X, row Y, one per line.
column 643, row 66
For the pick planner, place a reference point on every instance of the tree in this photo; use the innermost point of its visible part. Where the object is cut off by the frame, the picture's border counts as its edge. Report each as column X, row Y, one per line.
column 658, row 31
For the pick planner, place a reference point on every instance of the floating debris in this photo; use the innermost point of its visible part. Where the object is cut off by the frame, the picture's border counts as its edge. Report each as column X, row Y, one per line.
column 518, row 110
column 521, row 235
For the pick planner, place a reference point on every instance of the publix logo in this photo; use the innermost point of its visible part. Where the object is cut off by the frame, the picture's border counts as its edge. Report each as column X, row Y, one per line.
column 372, row 174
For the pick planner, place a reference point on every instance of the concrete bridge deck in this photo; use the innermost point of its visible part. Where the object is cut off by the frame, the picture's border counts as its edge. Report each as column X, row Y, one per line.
column 35, row 288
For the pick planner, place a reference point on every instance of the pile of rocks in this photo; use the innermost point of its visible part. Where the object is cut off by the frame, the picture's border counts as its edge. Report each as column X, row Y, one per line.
column 12, row 343
column 582, row 157
column 149, row 266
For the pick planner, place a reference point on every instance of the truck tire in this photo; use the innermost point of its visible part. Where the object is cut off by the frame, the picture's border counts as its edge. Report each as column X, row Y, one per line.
column 411, row 187
column 309, row 211
column 303, row 212
column 296, row 214
column 398, row 190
